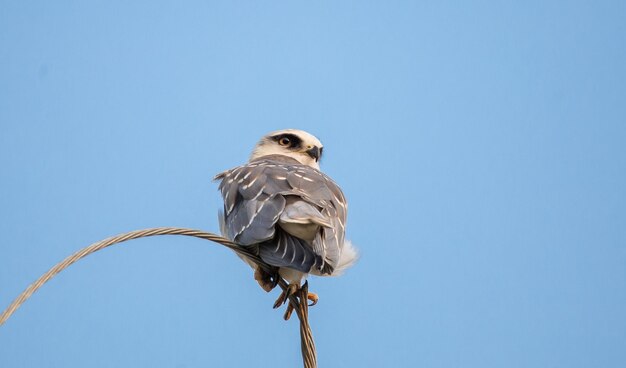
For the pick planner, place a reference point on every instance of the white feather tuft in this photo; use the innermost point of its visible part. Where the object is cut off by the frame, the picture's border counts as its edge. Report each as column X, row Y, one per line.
column 349, row 256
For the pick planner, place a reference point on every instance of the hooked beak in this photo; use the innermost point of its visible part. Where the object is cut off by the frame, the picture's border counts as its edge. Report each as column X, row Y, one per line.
column 314, row 152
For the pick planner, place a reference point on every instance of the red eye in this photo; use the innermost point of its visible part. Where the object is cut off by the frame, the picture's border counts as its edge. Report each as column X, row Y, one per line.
column 284, row 141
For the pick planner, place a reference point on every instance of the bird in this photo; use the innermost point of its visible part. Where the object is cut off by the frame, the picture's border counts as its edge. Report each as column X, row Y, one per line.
column 281, row 207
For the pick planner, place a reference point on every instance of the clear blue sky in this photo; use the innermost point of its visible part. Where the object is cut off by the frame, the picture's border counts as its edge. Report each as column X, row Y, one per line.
column 482, row 149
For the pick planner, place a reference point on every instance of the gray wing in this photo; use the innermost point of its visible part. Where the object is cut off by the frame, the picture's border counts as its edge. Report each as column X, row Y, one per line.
column 255, row 199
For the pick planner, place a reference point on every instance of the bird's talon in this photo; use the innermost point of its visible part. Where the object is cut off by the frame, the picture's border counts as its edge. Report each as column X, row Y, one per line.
column 281, row 300
column 313, row 298
column 285, row 294
column 288, row 312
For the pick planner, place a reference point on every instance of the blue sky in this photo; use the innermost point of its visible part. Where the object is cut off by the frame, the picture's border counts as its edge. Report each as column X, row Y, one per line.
column 481, row 147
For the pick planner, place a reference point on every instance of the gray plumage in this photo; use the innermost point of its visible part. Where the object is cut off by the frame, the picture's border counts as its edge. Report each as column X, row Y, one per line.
column 293, row 214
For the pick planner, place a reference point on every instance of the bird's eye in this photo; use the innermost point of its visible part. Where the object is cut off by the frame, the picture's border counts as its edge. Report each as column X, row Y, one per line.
column 284, row 141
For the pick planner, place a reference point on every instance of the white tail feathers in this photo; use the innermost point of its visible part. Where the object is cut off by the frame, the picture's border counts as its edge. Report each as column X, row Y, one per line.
column 349, row 256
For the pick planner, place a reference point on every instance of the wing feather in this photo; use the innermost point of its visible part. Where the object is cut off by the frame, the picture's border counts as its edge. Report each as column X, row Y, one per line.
column 256, row 198
column 288, row 251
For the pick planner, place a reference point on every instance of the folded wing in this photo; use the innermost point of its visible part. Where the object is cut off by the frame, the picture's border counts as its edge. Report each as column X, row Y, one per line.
column 294, row 213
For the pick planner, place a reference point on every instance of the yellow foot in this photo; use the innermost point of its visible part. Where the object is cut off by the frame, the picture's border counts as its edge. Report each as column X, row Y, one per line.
column 310, row 296
column 313, row 298
column 285, row 294
column 295, row 289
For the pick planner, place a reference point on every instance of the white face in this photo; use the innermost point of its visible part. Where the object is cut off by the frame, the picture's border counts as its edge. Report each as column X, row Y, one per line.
column 293, row 143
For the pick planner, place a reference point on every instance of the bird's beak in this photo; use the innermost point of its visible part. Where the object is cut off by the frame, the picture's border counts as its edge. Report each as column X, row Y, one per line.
column 314, row 152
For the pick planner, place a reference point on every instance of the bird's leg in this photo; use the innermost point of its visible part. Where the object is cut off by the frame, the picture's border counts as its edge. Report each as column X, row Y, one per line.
column 303, row 291
column 285, row 294
column 265, row 280
column 290, row 307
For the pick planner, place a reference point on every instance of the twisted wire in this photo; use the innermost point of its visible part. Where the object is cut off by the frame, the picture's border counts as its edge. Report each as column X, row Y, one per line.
column 299, row 302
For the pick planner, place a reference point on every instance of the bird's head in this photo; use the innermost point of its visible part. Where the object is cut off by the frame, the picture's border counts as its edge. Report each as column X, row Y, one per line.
column 297, row 144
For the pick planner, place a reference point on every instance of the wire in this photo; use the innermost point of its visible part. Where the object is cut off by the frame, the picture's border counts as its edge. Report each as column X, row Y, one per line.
column 298, row 300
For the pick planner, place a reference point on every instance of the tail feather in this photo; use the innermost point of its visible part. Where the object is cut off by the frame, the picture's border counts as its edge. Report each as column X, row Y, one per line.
column 349, row 256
